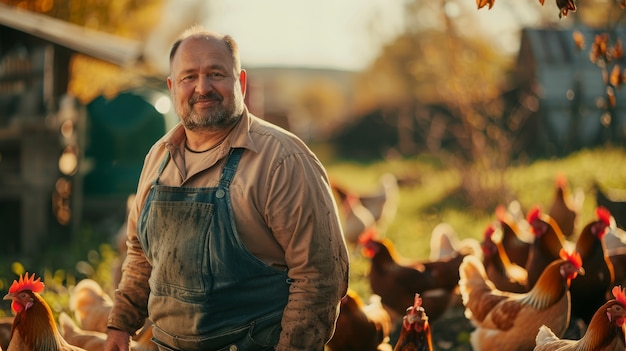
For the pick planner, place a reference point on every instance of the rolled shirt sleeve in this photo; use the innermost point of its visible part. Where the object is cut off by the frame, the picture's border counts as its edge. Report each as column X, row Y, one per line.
column 303, row 217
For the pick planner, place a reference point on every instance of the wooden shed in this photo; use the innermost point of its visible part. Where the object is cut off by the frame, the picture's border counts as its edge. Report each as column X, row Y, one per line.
column 42, row 128
column 570, row 89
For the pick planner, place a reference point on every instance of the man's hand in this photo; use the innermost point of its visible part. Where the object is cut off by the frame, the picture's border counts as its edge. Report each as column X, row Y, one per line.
column 117, row 340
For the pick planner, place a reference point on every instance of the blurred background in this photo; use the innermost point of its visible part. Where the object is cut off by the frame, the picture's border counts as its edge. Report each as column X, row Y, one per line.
column 447, row 97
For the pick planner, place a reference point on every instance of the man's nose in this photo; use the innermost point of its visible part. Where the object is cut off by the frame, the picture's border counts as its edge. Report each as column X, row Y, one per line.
column 204, row 85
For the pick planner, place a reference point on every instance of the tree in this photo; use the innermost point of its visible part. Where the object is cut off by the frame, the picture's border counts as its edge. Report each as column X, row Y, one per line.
column 440, row 65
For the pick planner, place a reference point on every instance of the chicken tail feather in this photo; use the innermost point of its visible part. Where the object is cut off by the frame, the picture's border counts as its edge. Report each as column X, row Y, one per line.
column 544, row 336
column 473, row 282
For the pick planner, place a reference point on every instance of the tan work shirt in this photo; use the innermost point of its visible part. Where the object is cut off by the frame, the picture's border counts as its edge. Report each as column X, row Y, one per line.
column 285, row 214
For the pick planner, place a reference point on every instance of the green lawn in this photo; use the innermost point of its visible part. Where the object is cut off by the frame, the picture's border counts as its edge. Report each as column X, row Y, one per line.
column 434, row 195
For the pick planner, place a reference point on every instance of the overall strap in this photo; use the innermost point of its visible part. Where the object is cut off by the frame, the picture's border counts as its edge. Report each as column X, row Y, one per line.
column 162, row 167
column 231, row 166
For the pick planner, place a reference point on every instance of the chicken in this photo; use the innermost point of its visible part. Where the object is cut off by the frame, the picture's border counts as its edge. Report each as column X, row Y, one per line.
column 516, row 236
column 445, row 243
column 615, row 236
column 87, row 339
column 90, row 305
column 504, row 274
column 506, row 321
column 590, row 291
column 614, row 200
column 33, row 327
column 396, row 280
column 359, row 210
column 360, row 327
column 356, row 219
column 566, row 206
column 604, row 333
column 545, row 248
column 93, row 340
column 383, row 203
column 415, row 334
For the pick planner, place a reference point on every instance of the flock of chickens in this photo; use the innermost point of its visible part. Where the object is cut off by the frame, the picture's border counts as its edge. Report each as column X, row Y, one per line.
column 538, row 281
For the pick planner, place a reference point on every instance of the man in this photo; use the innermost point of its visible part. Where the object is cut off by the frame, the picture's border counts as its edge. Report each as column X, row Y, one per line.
column 234, row 241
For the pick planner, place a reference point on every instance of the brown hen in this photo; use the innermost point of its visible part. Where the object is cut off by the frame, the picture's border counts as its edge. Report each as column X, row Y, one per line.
column 504, row 274
column 545, row 248
column 508, row 321
column 604, row 333
column 566, row 205
column 516, row 236
column 590, row 291
column 396, row 280
column 360, row 327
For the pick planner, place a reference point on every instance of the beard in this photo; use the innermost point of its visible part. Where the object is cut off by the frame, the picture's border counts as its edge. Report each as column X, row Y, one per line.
column 214, row 118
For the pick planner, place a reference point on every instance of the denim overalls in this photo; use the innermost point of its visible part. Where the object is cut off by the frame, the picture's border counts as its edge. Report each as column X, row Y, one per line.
column 208, row 292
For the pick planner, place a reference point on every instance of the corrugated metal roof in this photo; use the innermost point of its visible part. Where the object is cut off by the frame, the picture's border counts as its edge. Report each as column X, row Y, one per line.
column 556, row 46
column 100, row 45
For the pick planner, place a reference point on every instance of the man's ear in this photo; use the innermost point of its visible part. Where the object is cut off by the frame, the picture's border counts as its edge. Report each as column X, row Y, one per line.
column 243, row 80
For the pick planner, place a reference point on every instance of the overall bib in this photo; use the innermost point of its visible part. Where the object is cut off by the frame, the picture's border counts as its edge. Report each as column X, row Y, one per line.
column 208, row 292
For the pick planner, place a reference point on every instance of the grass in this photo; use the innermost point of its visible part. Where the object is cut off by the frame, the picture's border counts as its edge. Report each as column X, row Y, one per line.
column 435, row 194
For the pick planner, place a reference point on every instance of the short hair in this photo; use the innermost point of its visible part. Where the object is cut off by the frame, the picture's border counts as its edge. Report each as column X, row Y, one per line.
column 198, row 31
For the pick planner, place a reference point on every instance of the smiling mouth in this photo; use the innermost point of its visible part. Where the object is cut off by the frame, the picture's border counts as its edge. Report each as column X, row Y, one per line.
column 205, row 102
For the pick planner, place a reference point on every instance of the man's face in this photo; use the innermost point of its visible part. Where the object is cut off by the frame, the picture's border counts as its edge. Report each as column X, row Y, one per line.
column 206, row 92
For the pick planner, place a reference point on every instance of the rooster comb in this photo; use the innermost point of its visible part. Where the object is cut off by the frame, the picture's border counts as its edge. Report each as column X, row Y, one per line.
column 561, row 180
column 620, row 294
column 533, row 214
column 501, row 213
column 604, row 215
column 573, row 257
column 367, row 236
column 27, row 283
column 489, row 231
column 418, row 301
column 417, row 305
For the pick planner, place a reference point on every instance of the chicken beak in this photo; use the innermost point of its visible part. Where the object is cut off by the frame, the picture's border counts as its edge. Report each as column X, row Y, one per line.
column 9, row 297
column 581, row 271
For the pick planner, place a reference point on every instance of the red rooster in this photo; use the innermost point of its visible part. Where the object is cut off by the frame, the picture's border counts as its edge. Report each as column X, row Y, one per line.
column 590, row 291
column 604, row 333
column 509, row 321
column 545, row 248
column 33, row 328
column 415, row 334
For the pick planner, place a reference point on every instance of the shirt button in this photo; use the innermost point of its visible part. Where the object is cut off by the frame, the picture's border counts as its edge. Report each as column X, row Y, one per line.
column 220, row 193
column 233, row 348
